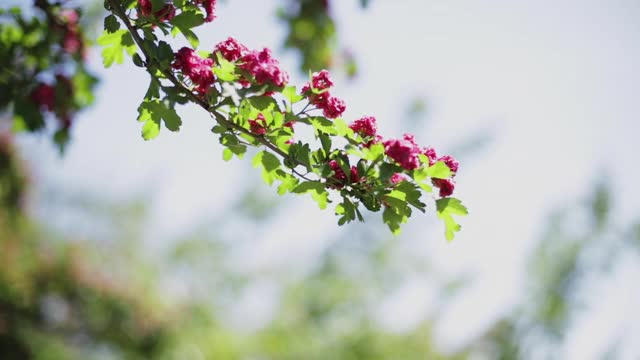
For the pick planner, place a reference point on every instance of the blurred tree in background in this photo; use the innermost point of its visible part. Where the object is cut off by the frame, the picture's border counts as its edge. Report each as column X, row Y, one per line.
column 64, row 298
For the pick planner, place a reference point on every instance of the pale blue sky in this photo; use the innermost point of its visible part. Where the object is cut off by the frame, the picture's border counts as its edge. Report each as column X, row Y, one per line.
column 555, row 81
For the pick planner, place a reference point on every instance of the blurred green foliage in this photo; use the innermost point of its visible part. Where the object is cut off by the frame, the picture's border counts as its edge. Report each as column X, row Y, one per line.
column 43, row 72
column 578, row 251
column 311, row 31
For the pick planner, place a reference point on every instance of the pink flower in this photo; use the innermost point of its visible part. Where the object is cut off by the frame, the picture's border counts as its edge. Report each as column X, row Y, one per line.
column 365, row 126
column 195, row 68
column 321, row 80
column 397, row 177
column 446, row 186
column 333, row 107
column 451, row 162
column 72, row 42
column 431, row 154
column 231, row 50
column 209, row 7
column 264, row 68
column 289, row 124
column 404, row 151
column 258, row 126
column 70, row 16
column 44, row 95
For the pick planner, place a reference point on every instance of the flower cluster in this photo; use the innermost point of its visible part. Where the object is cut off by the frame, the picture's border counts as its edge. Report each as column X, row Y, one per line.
column 406, row 152
column 260, row 64
column 318, row 94
column 197, row 69
column 231, row 49
column 368, row 129
column 264, row 68
column 166, row 13
column 339, row 176
column 446, row 186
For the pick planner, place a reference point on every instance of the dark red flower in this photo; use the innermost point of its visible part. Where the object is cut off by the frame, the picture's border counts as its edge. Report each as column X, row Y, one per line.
column 258, row 125
column 44, row 95
column 333, row 107
column 209, row 7
column 446, row 186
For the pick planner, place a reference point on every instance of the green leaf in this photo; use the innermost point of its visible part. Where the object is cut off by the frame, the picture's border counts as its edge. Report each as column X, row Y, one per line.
column 439, row 170
column 322, row 124
column 137, row 60
column 61, row 138
column 188, row 20
column 157, row 4
column 290, row 93
column 393, row 219
column 150, row 129
column 447, row 207
column 152, row 113
column 26, row 116
column 164, row 53
column 289, row 183
column 218, row 129
column 408, row 192
column 111, row 24
column 325, row 140
column 226, row 70
column 184, row 22
column 153, row 92
column 318, row 192
column 301, row 153
column 114, row 44
column 342, row 129
column 270, row 166
column 348, row 211
column 227, row 154
column 263, row 103
column 387, row 170
column 375, row 152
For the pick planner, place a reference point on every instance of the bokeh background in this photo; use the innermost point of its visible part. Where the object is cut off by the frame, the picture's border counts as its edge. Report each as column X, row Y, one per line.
column 160, row 249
